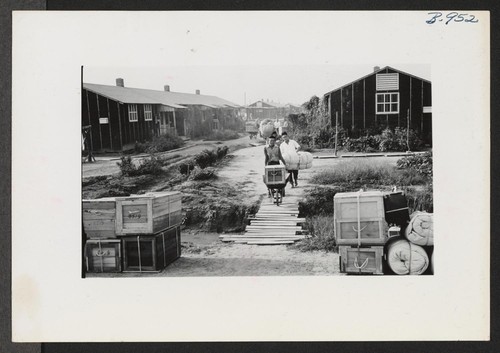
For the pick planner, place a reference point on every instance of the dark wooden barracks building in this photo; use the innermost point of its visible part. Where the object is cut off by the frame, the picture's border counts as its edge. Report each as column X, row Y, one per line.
column 386, row 98
column 114, row 118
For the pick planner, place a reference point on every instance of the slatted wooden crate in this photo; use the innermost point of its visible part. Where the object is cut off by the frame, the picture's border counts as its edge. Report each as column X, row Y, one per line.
column 372, row 225
column 99, row 217
column 103, row 255
column 148, row 214
column 274, row 174
column 361, row 260
column 151, row 253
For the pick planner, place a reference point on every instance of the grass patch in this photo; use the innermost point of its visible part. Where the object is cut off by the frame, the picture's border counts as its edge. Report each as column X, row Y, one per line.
column 370, row 172
column 322, row 235
column 412, row 175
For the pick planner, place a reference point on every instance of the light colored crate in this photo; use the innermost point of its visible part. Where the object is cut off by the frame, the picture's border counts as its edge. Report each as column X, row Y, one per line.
column 371, row 223
column 103, row 255
column 149, row 213
column 274, row 174
column 99, row 217
column 361, row 260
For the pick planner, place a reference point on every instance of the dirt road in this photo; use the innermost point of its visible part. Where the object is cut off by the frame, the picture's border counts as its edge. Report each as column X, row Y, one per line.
column 107, row 165
column 205, row 255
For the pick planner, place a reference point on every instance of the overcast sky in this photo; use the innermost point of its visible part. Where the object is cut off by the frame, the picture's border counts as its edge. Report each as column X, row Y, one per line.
column 245, row 84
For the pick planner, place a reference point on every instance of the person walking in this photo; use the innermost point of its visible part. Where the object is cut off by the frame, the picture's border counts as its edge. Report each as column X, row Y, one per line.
column 290, row 147
column 273, row 153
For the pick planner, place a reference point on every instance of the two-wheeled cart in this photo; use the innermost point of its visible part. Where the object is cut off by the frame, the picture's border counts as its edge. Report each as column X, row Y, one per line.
column 275, row 180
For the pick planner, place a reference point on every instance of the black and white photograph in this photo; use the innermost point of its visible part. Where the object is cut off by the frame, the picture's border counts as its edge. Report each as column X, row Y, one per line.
column 216, row 176
column 207, row 184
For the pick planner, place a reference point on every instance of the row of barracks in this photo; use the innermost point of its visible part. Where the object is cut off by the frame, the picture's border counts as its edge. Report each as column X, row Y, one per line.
column 116, row 117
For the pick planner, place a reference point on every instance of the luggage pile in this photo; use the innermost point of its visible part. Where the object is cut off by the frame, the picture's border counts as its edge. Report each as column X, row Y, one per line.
column 137, row 233
column 376, row 234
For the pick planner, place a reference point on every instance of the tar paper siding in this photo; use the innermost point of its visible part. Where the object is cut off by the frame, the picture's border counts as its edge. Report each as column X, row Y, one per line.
column 118, row 132
column 356, row 105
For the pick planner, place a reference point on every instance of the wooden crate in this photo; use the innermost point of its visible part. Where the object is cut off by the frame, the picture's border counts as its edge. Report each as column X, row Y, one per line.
column 371, row 218
column 361, row 260
column 99, row 218
column 103, row 255
column 151, row 253
column 275, row 174
column 148, row 214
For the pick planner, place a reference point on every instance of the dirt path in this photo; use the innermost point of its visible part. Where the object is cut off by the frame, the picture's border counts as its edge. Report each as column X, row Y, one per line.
column 205, row 255
column 107, row 165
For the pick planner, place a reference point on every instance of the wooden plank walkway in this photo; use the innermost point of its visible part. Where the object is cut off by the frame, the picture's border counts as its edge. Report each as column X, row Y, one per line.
column 272, row 225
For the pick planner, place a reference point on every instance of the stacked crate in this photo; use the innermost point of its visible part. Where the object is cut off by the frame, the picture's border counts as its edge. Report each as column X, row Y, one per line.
column 360, row 231
column 150, row 229
column 139, row 232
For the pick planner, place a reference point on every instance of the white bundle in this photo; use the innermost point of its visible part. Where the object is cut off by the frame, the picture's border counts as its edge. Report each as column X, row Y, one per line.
column 305, row 160
column 420, row 230
column 291, row 160
column 405, row 258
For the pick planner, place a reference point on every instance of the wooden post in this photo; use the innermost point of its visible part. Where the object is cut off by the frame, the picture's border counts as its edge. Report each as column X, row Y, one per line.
column 408, row 130
column 364, row 106
column 409, row 120
column 341, row 110
column 109, row 124
column 352, row 106
column 422, row 111
column 336, row 132
column 119, row 124
column 99, row 120
column 175, row 124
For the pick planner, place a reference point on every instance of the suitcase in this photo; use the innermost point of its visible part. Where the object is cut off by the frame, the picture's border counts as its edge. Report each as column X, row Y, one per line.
column 396, row 209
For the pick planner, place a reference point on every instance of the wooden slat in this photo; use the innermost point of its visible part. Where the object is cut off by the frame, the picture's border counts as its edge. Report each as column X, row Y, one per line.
column 238, row 240
column 270, row 243
column 265, row 236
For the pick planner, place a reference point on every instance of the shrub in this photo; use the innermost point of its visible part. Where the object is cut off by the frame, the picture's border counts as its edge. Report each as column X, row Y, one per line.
column 164, row 143
column 152, row 165
column 205, row 158
column 203, row 174
column 222, row 152
column 419, row 163
column 223, row 135
column 420, row 198
column 362, row 144
column 186, row 167
column 397, row 140
column 322, row 233
column 319, row 201
column 141, row 147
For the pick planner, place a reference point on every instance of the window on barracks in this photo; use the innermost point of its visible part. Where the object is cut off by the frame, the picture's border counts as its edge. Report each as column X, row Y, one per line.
column 132, row 113
column 148, row 112
column 387, row 103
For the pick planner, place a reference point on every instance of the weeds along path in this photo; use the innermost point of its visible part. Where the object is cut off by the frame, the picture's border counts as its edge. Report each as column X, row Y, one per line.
column 105, row 166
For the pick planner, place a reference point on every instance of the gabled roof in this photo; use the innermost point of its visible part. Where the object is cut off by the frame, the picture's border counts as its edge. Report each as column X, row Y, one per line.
column 373, row 73
column 148, row 96
column 270, row 104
